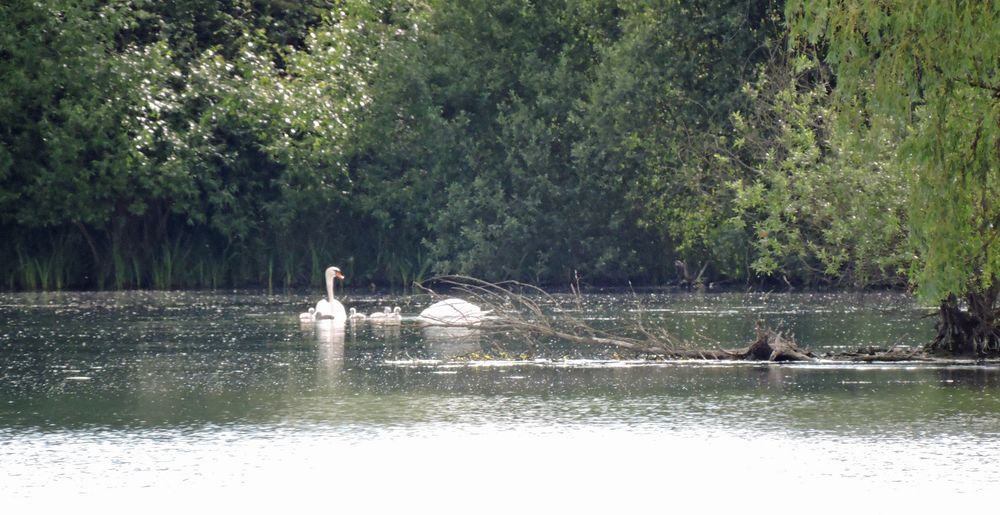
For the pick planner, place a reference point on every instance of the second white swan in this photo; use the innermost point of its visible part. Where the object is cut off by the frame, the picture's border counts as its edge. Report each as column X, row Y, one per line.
column 452, row 312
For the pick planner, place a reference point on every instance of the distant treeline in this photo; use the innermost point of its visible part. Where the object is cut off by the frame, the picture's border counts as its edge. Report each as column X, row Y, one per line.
column 197, row 143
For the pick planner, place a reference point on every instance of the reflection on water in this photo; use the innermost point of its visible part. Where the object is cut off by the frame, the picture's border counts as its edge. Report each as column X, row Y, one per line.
column 450, row 342
column 330, row 349
column 152, row 393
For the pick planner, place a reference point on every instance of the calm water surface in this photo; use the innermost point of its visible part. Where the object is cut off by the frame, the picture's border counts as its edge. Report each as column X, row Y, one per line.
column 185, row 400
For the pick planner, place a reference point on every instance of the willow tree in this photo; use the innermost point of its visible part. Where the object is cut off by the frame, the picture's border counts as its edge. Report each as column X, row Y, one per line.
column 930, row 69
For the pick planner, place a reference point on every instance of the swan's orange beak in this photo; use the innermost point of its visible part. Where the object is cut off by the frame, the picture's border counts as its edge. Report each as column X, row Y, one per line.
column 339, row 275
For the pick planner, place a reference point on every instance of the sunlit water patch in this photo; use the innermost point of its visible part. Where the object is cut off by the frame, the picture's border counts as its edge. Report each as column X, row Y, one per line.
column 495, row 469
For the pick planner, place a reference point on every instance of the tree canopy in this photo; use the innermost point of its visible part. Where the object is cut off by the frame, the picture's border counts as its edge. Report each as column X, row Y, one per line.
column 929, row 71
column 195, row 143
column 253, row 142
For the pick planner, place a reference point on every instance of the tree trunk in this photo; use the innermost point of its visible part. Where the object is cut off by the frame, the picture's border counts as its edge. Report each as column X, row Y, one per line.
column 771, row 346
column 90, row 243
column 972, row 331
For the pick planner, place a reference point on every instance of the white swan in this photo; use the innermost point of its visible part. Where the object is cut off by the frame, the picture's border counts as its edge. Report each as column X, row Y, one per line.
column 308, row 316
column 452, row 312
column 355, row 316
column 331, row 308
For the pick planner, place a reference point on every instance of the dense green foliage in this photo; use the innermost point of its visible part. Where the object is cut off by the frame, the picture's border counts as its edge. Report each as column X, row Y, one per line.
column 929, row 72
column 254, row 142
column 824, row 204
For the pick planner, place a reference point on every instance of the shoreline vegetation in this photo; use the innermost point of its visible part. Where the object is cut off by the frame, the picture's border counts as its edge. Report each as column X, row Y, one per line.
column 201, row 144
column 793, row 144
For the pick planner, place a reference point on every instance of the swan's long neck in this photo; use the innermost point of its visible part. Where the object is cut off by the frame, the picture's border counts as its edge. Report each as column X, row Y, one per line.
column 329, row 286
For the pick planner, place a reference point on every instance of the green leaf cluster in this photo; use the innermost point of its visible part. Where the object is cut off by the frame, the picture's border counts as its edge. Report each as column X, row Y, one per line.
column 196, row 143
column 928, row 70
column 825, row 203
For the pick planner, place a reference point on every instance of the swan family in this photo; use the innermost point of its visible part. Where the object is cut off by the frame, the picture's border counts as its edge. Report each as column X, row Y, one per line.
column 452, row 311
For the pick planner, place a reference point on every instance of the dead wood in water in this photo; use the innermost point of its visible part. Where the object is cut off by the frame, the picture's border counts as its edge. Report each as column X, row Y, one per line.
column 973, row 331
column 537, row 315
column 534, row 313
column 772, row 346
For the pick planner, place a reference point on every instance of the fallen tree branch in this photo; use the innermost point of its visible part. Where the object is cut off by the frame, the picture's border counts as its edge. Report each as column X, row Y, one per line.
column 533, row 312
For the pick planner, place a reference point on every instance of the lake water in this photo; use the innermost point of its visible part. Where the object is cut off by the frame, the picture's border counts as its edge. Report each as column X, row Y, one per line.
column 143, row 401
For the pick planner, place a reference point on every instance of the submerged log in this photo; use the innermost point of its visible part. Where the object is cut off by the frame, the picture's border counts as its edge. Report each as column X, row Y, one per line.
column 517, row 308
column 880, row 356
column 514, row 311
column 769, row 346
